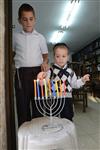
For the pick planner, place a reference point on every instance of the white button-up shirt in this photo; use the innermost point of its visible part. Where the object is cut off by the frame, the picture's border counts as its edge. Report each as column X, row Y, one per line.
column 29, row 48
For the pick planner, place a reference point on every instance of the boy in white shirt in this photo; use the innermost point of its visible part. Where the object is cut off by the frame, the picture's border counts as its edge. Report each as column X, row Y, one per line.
column 61, row 71
column 31, row 56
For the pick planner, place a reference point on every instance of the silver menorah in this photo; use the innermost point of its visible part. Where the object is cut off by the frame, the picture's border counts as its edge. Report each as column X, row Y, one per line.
column 50, row 99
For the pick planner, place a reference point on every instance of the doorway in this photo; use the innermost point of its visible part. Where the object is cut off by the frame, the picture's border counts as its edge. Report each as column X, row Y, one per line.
column 9, row 94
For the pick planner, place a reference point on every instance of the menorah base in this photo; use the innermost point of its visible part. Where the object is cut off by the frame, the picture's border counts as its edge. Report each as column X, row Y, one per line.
column 50, row 128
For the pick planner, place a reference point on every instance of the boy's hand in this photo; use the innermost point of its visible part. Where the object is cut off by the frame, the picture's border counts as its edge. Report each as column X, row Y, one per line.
column 86, row 78
column 44, row 67
column 41, row 75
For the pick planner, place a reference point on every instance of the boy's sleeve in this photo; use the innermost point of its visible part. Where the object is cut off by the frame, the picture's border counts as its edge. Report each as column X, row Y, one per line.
column 76, row 83
column 43, row 45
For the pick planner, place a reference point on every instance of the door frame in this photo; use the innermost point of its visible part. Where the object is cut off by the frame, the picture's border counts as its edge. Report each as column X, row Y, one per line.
column 9, row 88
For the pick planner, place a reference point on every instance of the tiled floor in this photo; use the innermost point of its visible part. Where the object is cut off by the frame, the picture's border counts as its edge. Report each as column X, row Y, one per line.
column 88, row 126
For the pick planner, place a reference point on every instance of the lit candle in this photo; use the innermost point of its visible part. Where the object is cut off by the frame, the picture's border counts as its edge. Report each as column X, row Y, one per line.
column 53, row 89
column 38, row 90
column 41, row 84
column 35, row 94
column 45, row 85
column 49, row 86
column 56, row 85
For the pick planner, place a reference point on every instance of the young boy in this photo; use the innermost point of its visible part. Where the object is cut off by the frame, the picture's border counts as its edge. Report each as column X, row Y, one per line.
column 31, row 56
column 61, row 71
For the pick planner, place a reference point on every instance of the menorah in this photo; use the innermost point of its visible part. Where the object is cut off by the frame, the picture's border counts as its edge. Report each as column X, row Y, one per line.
column 50, row 99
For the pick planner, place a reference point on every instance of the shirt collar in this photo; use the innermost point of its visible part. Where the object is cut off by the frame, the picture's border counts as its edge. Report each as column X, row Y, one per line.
column 60, row 67
column 34, row 32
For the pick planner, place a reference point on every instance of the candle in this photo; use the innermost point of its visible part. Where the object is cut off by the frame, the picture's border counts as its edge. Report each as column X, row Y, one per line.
column 45, row 85
column 49, row 86
column 64, row 87
column 41, row 84
column 60, row 88
column 53, row 89
column 35, row 94
column 38, row 90
column 56, row 85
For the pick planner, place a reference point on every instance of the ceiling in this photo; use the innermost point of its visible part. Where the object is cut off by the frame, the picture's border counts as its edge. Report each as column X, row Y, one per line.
column 84, row 29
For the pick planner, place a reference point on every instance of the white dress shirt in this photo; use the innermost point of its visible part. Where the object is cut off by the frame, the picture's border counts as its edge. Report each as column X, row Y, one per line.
column 29, row 48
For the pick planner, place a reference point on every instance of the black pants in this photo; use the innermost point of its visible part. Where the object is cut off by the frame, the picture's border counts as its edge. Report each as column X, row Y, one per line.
column 24, row 91
column 67, row 111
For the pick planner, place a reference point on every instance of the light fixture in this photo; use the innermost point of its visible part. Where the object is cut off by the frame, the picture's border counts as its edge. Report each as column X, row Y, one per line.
column 66, row 20
column 57, row 36
column 69, row 13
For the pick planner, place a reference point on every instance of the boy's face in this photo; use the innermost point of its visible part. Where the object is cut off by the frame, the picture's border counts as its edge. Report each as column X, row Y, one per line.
column 61, row 56
column 27, row 21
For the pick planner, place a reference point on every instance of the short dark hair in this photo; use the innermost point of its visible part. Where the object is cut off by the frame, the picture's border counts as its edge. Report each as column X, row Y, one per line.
column 60, row 45
column 25, row 7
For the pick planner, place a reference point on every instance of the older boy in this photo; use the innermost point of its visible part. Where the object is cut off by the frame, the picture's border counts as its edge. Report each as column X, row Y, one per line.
column 31, row 56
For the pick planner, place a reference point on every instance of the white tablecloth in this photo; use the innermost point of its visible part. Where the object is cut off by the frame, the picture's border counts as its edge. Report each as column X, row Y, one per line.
column 31, row 135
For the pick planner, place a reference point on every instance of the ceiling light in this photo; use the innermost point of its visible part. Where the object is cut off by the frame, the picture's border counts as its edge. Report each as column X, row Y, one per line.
column 67, row 19
column 69, row 13
column 57, row 36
